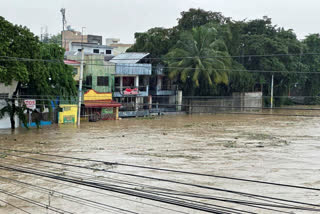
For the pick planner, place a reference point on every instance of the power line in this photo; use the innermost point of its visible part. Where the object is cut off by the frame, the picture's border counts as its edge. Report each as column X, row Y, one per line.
column 165, row 67
column 66, row 196
column 166, row 180
column 15, row 206
column 205, row 57
column 158, row 169
column 232, row 201
column 246, row 203
column 35, row 203
column 111, row 195
column 236, row 210
column 121, row 191
column 124, row 191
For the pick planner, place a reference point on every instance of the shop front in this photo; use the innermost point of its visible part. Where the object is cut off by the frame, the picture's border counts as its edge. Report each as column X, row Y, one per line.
column 100, row 106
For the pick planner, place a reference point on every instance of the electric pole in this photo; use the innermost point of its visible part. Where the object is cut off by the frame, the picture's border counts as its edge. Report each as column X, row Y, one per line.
column 64, row 22
column 80, row 87
column 80, row 82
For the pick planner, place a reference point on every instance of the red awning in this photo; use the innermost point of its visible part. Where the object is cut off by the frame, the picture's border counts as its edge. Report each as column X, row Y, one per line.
column 101, row 104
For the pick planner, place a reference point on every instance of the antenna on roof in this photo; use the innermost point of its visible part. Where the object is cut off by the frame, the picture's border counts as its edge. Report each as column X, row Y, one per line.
column 64, row 22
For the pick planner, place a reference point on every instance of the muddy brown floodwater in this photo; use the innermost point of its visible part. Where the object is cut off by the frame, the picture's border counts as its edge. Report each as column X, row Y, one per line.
column 282, row 149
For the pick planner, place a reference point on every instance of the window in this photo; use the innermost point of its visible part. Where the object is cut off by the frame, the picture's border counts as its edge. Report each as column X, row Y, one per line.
column 75, row 71
column 108, row 51
column 96, row 51
column 89, row 80
column 103, row 81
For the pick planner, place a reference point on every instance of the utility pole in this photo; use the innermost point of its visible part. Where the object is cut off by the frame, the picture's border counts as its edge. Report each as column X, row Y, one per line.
column 80, row 81
column 271, row 101
column 63, row 13
column 80, row 86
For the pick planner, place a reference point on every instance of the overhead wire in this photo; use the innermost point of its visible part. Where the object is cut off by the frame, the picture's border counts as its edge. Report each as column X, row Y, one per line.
column 162, row 169
column 105, row 187
column 165, row 67
column 87, row 202
column 245, row 203
column 120, row 190
column 16, row 207
column 54, row 209
column 133, row 189
column 176, row 182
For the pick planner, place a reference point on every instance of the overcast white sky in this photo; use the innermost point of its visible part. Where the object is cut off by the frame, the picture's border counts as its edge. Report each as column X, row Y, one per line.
column 122, row 18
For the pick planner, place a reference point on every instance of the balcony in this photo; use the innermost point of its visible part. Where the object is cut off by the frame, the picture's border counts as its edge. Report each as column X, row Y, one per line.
column 133, row 69
column 131, row 91
column 163, row 90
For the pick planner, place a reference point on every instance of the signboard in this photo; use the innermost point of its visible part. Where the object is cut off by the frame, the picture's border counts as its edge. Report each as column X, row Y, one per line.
column 106, row 111
column 31, row 104
column 69, row 119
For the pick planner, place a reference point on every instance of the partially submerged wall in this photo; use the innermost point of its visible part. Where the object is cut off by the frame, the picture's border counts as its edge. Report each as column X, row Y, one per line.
column 238, row 102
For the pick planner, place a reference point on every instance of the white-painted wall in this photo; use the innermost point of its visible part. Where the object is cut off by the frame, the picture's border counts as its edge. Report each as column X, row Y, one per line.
column 9, row 89
column 89, row 50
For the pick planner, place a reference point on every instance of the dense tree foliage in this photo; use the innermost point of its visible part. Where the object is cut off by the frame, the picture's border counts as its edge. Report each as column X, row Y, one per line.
column 34, row 64
column 202, row 72
column 258, row 50
column 38, row 67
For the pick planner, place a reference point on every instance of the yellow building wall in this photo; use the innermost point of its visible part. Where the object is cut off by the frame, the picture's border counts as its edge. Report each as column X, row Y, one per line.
column 93, row 95
column 77, row 75
column 69, row 114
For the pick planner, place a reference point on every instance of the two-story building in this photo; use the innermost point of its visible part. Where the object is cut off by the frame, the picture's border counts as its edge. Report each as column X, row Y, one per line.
column 165, row 94
column 132, row 76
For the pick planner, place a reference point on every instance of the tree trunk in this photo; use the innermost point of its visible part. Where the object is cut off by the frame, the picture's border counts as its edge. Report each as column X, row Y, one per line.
column 12, row 113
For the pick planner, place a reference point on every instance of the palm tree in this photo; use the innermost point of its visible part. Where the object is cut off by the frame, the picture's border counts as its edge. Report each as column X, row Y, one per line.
column 199, row 61
column 12, row 110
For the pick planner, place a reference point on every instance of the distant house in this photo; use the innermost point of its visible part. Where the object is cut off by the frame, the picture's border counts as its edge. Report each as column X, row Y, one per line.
column 98, row 74
column 76, row 68
column 90, row 48
column 132, row 82
column 118, row 48
column 69, row 36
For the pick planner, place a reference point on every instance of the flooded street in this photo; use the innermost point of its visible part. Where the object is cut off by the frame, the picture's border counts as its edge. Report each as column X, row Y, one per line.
column 280, row 149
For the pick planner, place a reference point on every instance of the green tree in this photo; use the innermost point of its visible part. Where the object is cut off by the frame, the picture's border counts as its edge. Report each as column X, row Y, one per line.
column 37, row 66
column 199, row 61
column 53, row 39
column 156, row 41
column 198, row 17
column 311, row 86
column 13, row 110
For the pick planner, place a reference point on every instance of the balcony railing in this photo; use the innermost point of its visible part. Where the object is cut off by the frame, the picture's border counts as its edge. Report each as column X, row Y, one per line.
column 133, row 69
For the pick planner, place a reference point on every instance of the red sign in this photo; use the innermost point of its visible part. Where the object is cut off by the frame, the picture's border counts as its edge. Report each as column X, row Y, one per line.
column 129, row 91
column 31, row 104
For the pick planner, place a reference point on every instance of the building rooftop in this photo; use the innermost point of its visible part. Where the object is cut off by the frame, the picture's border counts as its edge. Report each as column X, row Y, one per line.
column 129, row 58
column 71, row 62
column 92, row 45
